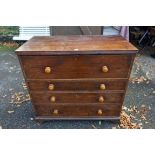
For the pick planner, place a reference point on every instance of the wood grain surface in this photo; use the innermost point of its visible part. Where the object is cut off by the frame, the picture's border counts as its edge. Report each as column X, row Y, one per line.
column 76, row 43
column 74, row 67
column 78, row 85
column 76, row 110
column 75, row 98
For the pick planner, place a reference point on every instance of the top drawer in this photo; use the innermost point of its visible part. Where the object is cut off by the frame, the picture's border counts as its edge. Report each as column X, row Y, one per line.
column 76, row 66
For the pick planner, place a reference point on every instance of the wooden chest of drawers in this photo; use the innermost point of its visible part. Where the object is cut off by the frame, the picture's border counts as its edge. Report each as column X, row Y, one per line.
column 77, row 77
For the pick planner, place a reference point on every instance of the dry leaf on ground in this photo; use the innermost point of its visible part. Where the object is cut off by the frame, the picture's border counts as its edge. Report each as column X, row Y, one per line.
column 19, row 97
column 138, row 79
column 9, row 44
column 99, row 122
column 131, row 115
column 31, row 119
column 24, row 85
column 10, row 111
column 94, row 126
column 126, row 123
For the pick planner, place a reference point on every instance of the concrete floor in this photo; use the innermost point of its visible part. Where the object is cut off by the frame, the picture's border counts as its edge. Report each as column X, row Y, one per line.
column 21, row 116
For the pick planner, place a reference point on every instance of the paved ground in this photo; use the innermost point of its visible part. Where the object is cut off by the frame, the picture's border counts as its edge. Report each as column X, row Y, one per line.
column 21, row 115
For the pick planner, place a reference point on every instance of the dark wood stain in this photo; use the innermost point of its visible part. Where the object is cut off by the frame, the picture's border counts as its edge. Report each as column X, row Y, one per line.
column 74, row 43
column 75, row 67
column 77, row 110
column 76, row 73
column 75, row 98
column 77, row 85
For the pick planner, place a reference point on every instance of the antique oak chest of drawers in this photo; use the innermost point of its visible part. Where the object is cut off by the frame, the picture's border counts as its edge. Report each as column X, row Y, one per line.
column 77, row 77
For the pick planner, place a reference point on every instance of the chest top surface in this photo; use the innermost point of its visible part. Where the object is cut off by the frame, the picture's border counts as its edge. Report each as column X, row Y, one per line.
column 79, row 44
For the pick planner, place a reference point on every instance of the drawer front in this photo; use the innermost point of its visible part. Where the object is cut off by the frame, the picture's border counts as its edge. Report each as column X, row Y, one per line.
column 76, row 98
column 76, row 66
column 70, row 111
column 77, row 85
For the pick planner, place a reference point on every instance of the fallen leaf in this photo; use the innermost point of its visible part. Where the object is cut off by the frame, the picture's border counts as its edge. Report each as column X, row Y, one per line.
column 147, row 75
column 124, row 108
column 131, row 118
column 24, row 85
column 10, row 111
column 94, row 126
column 147, row 82
column 138, row 79
column 10, row 44
column 19, row 97
column 143, row 117
column 114, row 127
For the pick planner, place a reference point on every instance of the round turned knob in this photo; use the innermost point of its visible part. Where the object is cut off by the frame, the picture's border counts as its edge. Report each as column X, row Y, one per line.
column 55, row 111
column 51, row 87
column 48, row 70
column 100, row 112
column 53, row 99
column 101, row 99
column 105, row 69
column 102, row 87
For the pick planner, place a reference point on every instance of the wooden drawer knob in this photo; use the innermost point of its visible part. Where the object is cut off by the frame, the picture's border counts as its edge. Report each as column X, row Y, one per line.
column 51, row 87
column 101, row 99
column 102, row 87
column 52, row 99
column 105, row 69
column 55, row 111
column 48, row 70
column 99, row 112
